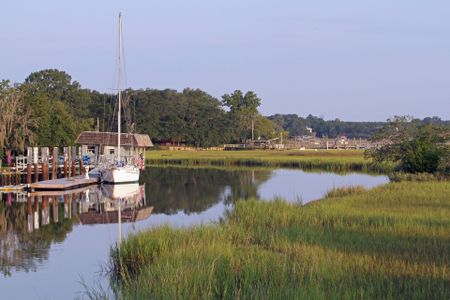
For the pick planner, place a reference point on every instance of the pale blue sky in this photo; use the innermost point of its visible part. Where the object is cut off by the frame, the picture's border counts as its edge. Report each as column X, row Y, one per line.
column 348, row 59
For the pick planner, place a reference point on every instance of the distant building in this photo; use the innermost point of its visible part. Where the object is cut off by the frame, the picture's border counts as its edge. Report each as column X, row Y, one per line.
column 95, row 143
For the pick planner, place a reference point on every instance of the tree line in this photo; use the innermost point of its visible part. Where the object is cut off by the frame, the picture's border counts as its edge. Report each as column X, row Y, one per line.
column 51, row 109
column 297, row 126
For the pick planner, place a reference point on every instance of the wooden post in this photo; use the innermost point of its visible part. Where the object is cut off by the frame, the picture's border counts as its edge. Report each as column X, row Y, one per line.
column 29, row 161
column 45, row 171
column 66, row 169
column 36, row 172
column 35, row 159
column 74, row 161
column 73, row 168
column 66, row 158
column 44, row 156
column 80, row 164
column 55, row 163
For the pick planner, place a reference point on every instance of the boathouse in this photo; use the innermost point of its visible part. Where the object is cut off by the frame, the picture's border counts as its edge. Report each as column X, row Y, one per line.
column 95, row 143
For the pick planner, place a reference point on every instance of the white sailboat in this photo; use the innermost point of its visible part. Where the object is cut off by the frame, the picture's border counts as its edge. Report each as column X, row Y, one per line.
column 121, row 171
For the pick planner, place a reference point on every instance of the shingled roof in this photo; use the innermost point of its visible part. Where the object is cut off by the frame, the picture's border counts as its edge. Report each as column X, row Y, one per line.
column 110, row 139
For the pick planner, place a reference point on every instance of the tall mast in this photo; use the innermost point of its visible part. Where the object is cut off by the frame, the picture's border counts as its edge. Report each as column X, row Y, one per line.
column 118, row 87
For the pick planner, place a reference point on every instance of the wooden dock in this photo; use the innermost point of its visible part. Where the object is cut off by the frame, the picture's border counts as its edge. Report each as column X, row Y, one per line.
column 12, row 188
column 57, row 193
column 63, row 183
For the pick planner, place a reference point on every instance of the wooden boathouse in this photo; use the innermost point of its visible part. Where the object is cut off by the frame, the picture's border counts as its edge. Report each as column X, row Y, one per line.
column 95, row 143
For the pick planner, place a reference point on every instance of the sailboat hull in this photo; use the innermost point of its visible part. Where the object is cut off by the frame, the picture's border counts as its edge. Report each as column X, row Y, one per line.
column 126, row 174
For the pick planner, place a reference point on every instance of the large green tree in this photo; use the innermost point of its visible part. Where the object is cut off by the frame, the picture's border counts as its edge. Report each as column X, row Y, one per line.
column 60, row 106
column 243, row 109
column 17, row 123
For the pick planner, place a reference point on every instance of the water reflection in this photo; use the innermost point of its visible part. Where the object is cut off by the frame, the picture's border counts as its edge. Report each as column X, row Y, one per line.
column 171, row 190
column 31, row 223
column 43, row 233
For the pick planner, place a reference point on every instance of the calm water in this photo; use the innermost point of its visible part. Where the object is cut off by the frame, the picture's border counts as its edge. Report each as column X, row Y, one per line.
column 50, row 243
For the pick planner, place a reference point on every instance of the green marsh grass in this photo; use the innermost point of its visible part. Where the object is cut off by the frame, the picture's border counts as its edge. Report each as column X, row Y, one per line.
column 345, row 191
column 326, row 160
column 389, row 242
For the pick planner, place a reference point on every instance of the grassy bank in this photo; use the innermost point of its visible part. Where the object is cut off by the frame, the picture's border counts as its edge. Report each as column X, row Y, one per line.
column 331, row 160
column 389, row 242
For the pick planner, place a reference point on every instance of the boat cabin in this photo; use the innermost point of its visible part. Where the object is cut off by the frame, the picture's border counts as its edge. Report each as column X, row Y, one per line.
column 96, row 144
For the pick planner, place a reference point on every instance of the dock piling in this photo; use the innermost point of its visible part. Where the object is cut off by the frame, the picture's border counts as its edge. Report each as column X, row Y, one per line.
column 66, row 158
column 44, row 157
column 28, row 173
column 36, row 172
column 55, row 162
column 35, row 159
column 74, row 158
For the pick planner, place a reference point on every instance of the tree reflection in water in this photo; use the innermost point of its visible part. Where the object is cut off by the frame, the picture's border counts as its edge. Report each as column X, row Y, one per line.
column 30, row 225
column 191, row 190
column 27, row 230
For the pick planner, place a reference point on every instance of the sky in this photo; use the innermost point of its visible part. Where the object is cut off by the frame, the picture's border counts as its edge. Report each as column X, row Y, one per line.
column 349, row 59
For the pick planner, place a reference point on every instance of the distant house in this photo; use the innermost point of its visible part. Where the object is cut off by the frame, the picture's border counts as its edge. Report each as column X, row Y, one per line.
column 95, row 143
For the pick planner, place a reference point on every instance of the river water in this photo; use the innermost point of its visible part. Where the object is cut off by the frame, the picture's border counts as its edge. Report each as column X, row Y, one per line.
column 51, row 243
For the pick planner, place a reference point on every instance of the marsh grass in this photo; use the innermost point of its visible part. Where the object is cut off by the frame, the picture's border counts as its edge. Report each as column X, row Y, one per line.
column 390, row 242
column 330, row 160
column 345, row 191
column 401, row 176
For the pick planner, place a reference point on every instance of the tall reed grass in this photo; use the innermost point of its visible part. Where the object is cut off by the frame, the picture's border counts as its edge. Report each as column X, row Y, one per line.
column 390, row 242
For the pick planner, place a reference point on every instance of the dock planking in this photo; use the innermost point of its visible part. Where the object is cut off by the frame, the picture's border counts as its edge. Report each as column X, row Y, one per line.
column 56, row 193
column 12, row 188
column 63, row 183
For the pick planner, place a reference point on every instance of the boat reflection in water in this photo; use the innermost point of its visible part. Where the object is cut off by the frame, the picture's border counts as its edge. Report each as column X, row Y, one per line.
column 107, row 204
